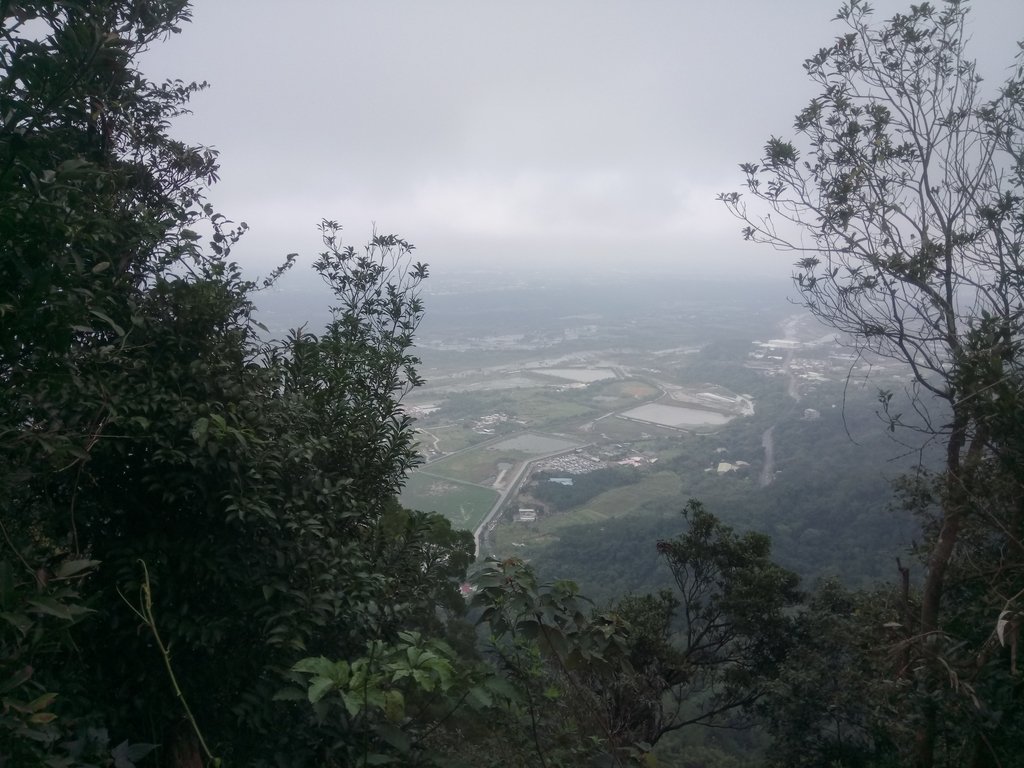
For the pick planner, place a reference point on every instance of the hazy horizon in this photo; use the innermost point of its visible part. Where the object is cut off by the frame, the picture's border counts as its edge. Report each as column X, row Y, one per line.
column 533, row 135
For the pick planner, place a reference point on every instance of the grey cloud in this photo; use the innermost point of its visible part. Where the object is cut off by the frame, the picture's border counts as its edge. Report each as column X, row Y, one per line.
column 522, row 127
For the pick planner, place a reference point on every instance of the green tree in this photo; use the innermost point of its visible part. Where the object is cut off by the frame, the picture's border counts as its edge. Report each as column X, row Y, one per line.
column 831, row 702
column 903, row 198
column 561, row 658
column 95, row 200
column 234, row 498
column 733, row 606
column 650, row 665
column 257, row 483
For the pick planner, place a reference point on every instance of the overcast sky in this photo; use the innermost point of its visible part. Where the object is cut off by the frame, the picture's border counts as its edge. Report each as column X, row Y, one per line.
column 565, row 134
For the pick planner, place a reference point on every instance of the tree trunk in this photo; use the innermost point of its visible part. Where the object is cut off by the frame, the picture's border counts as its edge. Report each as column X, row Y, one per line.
column 181, row 748
column 956, row 503
column 931, row 599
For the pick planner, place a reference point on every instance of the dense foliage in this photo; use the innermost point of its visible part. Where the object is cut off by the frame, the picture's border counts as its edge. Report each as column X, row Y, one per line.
column 188, row 493
column 584, row 487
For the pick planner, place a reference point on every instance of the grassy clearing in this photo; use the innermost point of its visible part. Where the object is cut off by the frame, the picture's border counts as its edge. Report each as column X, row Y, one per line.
column 534, row 443
column 627, row 392
column 622, row 430
column 582, row 375
column 618, row 502
column 476, row 466
column 539, row 407
column 463, row 504
column 629, row 499
column 450, row 438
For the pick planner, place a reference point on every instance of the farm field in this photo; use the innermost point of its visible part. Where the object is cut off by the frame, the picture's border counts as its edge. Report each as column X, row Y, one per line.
column 533, row 443
column 465, row 505
column 632, row 389
column 618, row 502
column 627, row 500
column 477, row 466
column 581, row 375
column 539, row 407
column 446, row 438
column 490, row 383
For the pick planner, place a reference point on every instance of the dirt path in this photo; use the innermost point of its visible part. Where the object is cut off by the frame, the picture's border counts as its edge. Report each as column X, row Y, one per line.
column 433, row 439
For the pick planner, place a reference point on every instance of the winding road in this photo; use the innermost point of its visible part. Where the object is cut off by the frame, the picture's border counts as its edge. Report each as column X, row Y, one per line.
column 767, row 476
column 768, row 470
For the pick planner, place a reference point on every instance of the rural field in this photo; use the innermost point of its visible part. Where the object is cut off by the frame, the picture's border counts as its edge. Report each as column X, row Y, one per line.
column 618, row 502
column 581, row 375
column 477, row 465
column 465, row 505
column 533, row 444
column 448, row 438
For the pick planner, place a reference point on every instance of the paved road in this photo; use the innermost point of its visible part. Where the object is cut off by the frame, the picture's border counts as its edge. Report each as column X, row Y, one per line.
column 513, row 485
column 768, row 470
column 793, row 390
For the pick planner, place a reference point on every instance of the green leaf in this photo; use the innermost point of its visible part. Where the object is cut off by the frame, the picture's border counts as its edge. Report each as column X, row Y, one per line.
column 393, row 736
column 126, row 755
column 394, row 705
column 318, row 665
column 73, row 164
column 200, row 430
column 480, row 698
column 1005, row 627
column 318, row 688
column 19, row 621
column 425, row 681
column 42, row 702
column 499, row 686
column 107, row 319
column 337, row 671
column 353, row 702
column 70, row 568
column 50, row 606
column 291, row 693
column 16, row 680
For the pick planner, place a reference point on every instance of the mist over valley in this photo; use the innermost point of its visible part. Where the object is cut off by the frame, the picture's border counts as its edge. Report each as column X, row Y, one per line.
column 566, row 419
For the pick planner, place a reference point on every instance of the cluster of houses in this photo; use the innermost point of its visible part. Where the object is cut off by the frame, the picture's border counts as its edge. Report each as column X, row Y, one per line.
column 485, row 425
column 576, row 463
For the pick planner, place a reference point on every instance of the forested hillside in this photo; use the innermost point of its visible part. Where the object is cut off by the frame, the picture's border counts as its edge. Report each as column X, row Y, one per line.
column 203, row 559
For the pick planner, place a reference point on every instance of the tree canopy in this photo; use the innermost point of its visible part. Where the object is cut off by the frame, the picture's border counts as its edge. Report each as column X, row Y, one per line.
column 212, row 506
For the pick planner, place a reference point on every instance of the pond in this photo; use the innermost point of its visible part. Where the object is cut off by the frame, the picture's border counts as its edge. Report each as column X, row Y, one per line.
column 677, row 416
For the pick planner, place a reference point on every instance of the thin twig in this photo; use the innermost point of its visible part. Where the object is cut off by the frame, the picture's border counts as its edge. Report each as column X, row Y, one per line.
column 145, row 612
column 17, row 553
